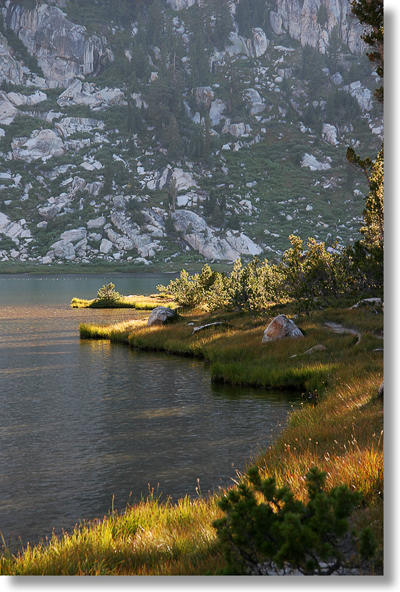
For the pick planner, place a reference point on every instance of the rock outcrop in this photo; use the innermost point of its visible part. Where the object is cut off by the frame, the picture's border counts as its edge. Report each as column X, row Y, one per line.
column 42, row 144
column 279, row 328
column 11, row 70
column 362, row 95
column 86, row 93
column 8, row 111
column 72, row 125
column 180, row 4
column 63, row 49
column 329, row 134
column 204, row 239
column 257, row 44
column 255, row 101
column 161, row 315
column 311, row 22
column 14, row 230
column 314, row 164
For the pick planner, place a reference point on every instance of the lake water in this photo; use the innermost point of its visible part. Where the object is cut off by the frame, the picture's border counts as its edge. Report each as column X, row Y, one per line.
column 83, row 421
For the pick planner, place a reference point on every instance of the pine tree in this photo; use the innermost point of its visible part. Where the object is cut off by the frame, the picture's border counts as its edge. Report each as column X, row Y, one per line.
column 223, row 24
column 172, row 193
column 370, row 13
column 334, row 48
column 200, row 48
column 374, row 210
column 155, row 23
column 250, row 14
column 172, row 139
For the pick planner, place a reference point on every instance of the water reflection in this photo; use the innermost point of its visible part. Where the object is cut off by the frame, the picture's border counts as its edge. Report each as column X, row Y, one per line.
column 83, row 421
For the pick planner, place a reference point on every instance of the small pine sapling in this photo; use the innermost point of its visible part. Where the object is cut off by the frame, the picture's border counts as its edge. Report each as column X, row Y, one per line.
column 267, row 531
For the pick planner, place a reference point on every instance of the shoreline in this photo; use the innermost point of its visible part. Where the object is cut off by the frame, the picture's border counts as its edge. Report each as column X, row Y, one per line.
column 7, row 268
column 340, row 433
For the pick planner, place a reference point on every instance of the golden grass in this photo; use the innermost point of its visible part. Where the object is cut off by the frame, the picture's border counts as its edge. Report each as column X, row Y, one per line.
column 117, row 332
column 139, row 302
column 149, row 538
column 342, row 435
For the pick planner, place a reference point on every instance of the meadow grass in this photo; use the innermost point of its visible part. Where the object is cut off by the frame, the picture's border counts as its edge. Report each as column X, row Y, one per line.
column 150, row 538
column 341, row 433
column 138, row 302
column 119, row 332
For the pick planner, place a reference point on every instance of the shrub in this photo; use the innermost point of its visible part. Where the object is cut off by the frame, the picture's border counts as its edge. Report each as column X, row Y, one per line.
column 185, row 289
column 313, row 275
column 265, row 529
column 107, row 295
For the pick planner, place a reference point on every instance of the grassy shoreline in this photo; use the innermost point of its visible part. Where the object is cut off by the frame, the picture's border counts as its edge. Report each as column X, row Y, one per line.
column 342, row 435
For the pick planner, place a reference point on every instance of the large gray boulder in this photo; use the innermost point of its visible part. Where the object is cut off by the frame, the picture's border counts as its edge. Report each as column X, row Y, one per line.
column 42, row 144
column 161, row 315
column 279, row 328
column 206, row 240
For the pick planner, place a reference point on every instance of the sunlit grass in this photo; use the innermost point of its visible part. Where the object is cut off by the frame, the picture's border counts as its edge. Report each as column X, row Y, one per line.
column 116, row 332
column 138, row 302
column 148, row 538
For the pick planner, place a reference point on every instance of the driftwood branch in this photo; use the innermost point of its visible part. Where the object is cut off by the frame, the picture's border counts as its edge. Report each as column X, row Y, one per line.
column 197, row 329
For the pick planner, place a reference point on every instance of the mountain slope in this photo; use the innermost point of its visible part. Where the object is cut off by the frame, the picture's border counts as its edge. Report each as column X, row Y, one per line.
column 179, row 131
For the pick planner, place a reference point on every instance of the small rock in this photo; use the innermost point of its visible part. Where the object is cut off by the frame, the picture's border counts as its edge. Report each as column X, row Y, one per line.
column 204, row 95
column 375, row 302
column 161, row 315
column 279, row 328
column 313, row 164
column 329, row 134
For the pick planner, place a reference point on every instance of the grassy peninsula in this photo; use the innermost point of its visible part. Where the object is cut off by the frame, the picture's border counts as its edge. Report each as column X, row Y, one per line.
column 108, row 297
column 338, row 429
column 139, row 302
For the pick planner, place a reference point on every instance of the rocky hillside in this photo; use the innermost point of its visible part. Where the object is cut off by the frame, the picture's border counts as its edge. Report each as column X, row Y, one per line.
column 179, row 130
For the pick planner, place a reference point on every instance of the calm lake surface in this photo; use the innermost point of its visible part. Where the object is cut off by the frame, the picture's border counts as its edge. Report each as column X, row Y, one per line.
column 83, row 421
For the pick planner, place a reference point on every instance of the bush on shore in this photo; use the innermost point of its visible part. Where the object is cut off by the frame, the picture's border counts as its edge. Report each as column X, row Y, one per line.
column 312, row 276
